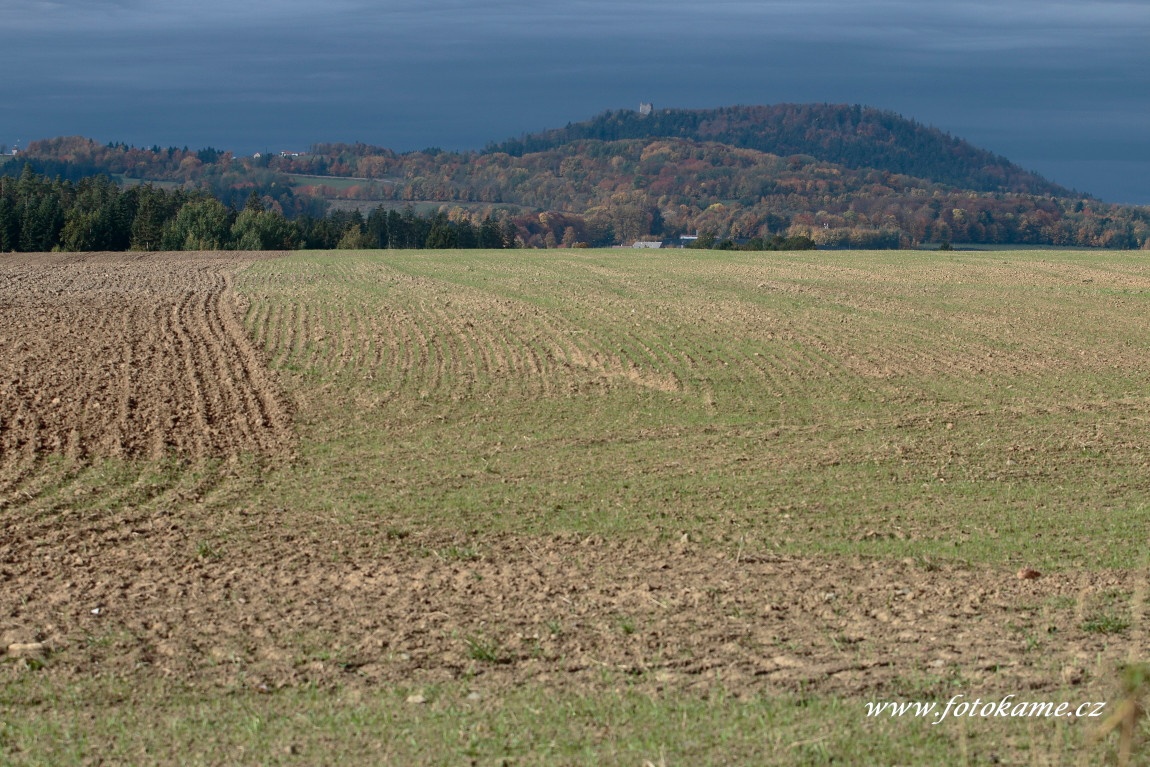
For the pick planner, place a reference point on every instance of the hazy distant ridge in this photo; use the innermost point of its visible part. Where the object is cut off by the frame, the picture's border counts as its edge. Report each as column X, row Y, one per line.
column 854, row 136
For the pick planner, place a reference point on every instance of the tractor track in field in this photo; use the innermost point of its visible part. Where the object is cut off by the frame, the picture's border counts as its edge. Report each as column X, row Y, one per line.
column 431, row 339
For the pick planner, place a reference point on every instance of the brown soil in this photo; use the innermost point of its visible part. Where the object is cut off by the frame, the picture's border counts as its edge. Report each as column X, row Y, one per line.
column 279, row 609
column 143, row 356
column 129, row 355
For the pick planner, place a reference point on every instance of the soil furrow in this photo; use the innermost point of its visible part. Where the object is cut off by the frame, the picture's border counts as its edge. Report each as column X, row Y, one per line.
column 130, row 356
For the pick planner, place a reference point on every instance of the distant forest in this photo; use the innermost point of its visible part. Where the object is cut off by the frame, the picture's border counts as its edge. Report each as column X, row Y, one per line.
column 855, row 137
column 839, row 176
column 94, row 213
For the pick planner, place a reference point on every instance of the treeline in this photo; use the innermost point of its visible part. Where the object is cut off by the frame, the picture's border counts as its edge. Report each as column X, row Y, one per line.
column 117, row 158
column 96, row 214
column 616, row 192
column 381, row 228
column 216, row 172
column 709, row 241
column 609, row 192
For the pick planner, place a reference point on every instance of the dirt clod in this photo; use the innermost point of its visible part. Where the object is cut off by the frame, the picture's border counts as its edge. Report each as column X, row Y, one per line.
column 27, row 650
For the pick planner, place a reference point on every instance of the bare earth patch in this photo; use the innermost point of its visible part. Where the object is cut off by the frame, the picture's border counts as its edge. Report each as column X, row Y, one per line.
column 277, row 610
column 129, row 355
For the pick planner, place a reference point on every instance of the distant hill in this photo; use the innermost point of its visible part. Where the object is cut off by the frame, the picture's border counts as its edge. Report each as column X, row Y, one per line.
column 842, row 176
column 852, row 136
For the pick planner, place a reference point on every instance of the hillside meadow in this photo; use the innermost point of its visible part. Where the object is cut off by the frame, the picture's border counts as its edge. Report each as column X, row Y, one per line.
column 569, row 506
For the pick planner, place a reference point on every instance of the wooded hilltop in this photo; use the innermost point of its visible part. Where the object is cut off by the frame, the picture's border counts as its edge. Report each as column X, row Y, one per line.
column 835, row 175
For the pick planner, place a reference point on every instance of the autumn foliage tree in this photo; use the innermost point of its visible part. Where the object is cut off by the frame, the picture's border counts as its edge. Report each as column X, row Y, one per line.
column 839, row 176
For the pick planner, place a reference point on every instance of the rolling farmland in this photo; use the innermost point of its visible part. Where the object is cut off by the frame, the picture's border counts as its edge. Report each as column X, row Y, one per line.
column 573, row 479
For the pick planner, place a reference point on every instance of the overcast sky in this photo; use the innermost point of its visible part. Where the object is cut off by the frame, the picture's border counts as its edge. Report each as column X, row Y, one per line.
column 1062, row 88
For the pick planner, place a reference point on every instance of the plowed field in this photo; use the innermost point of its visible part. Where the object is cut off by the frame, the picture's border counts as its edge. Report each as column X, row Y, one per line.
column 688, row 475
column 128, row 356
